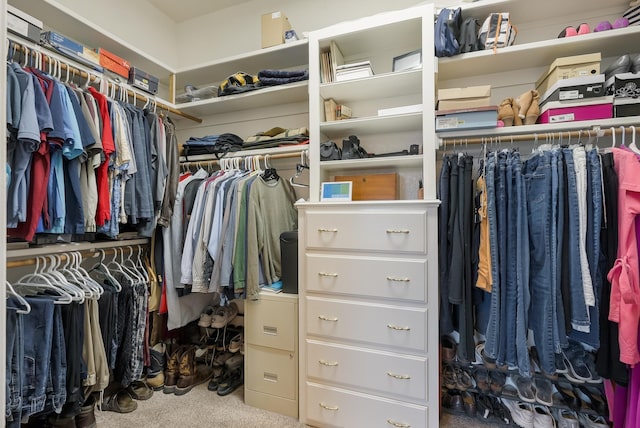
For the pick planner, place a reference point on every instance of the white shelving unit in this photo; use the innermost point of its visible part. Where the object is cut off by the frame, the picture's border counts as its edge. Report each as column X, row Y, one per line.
column 367, row 269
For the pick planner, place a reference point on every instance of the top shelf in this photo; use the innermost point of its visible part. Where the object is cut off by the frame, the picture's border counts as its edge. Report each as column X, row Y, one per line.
column 287, row 55
column 61, row 18
column 538, row 54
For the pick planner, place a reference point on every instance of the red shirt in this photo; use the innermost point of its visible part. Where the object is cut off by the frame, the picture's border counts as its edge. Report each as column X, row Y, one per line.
column 103, row 213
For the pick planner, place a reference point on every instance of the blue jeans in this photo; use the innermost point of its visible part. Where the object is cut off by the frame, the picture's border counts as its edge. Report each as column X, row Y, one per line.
column 539, row 191
column 594, row 225
column 511, row 261
column 38, row 339
column 15, row 362
column 559, row 320
column 579, row 314
column 57, row 382
column 493, row 325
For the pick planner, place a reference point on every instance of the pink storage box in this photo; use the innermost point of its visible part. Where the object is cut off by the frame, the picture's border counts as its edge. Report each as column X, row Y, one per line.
column 590, row 109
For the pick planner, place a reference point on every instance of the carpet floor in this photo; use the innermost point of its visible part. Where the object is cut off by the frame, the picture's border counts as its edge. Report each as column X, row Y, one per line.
column 203, row 408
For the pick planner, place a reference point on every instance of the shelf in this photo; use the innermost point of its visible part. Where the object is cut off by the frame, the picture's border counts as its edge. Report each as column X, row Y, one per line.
column 541, row 129
column 61, row 18
column 373, row 163
column 539, row 54
column 265, row 97
column 287, row 55
column 297, row 148
column 372, row 125
column 375, row 87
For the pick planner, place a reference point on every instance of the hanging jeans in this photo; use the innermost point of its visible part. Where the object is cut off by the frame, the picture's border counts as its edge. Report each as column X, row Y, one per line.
column 14, row 363
column 446, row 317
column 539, row 190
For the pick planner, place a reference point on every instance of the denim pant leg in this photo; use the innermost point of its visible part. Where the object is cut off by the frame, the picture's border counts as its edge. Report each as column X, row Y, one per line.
column 493, row 325
column 501, row 199
column 579, row 315
column 14, row 361
column 58, row 363
column 538, row 175
column 594, row 225
column 580, row 165
column 511, row 286
column 557, row 255
column 553, row 228
column 522, row 269
column 38, row 336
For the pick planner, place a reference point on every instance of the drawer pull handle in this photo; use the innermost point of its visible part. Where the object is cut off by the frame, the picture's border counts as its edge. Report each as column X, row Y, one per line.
column 327, row 407
column 332, row 275
column 328, row 363
column 398, row 424
column 397, row 230
column 272, row 331
column 396, row 279
column 398, row 376
column 323, row 229
column 325, row 318
column 397, row 327
column 270, row 377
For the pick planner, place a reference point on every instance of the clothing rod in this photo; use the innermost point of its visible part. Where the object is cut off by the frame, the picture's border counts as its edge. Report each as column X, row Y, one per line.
column 73, row 71
column 261, row 157
column 84, row 253
column 541, row 137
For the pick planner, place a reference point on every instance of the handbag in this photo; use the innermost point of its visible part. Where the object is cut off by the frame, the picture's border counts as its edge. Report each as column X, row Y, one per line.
column 329, row 150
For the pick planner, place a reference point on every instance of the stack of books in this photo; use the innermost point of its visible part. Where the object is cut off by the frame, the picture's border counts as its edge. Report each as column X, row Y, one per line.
column 356, row 70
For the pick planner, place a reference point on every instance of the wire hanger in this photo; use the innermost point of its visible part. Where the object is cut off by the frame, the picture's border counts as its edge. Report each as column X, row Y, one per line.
column 300, row 167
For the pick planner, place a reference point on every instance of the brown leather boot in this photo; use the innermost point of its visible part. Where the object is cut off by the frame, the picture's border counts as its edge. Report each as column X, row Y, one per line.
column 155, row 376
column 191, row 374
column 171, row 373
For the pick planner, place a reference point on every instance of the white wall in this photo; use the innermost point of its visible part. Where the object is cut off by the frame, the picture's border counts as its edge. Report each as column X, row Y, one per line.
column 237, row 29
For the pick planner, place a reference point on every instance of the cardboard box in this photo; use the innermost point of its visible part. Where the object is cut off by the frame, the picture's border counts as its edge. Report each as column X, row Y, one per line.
column 22, row 24
column 274, row 26
column 464, row 98
column 624, row 85
column 575, row 111
column 71, row 49
column 113, row 62
column 143, row 80
column 567, row 67
column 372, row 187
column 474, row 118
column 575, row 88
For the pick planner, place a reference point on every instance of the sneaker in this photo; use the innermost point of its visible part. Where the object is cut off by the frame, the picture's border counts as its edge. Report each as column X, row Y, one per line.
column 206, row 317
column 521, row 413
column 542, row 417
column 223, row 315
column 497, row 379
column 544, row 390
column 575, row 359
column 524, row 386
column 448, row 349
column 566, row 418
column 236, row 342
column 592, row 421
column 591, row 364
column 561, row 366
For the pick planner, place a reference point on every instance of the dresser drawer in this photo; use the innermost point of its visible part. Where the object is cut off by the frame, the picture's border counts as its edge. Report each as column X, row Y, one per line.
column 386, row 325
column 395, row 231
column 334, row 407
column 403, row 279
column 271, row 323
column 271, row 371
column 383, row 372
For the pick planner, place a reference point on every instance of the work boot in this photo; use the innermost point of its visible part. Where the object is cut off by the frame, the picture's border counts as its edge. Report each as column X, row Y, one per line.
column 119, row 402
column 155, row 376
column 191, row 374
column 171, row 373
column 87, row 417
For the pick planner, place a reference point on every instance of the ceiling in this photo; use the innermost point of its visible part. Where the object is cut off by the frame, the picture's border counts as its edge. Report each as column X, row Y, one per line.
column 184, row 10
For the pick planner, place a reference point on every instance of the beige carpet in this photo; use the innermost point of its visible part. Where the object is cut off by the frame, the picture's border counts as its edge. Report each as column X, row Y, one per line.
column 205, row 409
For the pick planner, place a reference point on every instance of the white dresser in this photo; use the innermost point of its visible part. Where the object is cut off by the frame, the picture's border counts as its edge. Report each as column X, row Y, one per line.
column 368, row 314
column 271, row 353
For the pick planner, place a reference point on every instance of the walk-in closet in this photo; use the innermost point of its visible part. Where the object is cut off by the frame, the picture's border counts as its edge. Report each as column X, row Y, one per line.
column 282, row 213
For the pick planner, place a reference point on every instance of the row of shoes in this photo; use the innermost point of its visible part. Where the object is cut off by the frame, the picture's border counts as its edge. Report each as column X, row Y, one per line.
column 218, row 316
column 522, row 110
column 183, row 371
column 584, row 28
column 85, row 419
column 627, row 63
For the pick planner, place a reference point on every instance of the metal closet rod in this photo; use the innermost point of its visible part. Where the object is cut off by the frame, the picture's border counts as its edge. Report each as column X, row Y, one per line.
column 541, row 137
column 83, row 74
column 261, row 157
column 64, row 256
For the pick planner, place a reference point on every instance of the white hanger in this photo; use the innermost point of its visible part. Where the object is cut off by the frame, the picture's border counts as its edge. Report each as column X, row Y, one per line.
column 613, row 137
column 93, row 284
column 102, row 269
column 141, row 267
column 77, row 292
column 21, row 299
column 36, row 282
column 633, row 146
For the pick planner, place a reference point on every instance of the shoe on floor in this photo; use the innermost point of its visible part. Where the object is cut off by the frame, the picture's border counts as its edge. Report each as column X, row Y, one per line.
column 138, row 390
column 120, row 402
column 155, row 375
column 481, row 376
column 521, row 413
column 191, row 373
column 448, row 348
column 234, row 379
column 172, row 373
column 452, row 402
column 566, row 418
column 592, row 421
column 87, row 418
column 524, row 386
